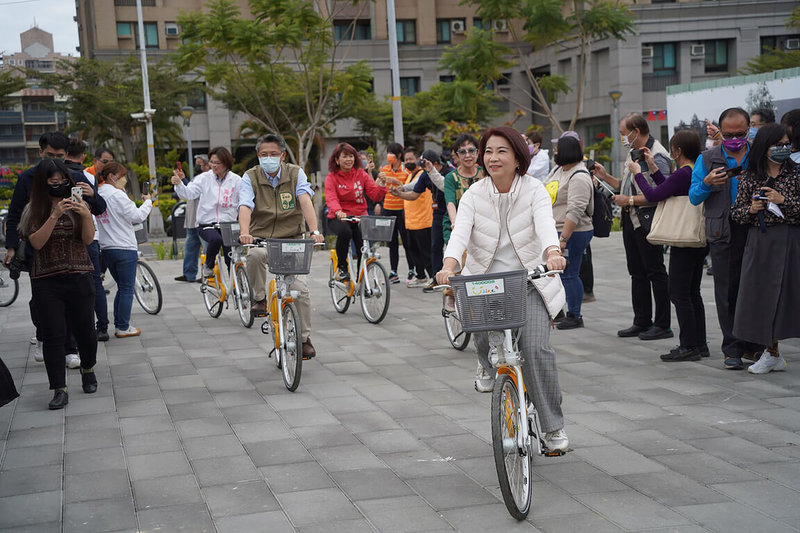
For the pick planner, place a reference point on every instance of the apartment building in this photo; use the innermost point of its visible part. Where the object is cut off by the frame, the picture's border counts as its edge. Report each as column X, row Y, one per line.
column 678, row 41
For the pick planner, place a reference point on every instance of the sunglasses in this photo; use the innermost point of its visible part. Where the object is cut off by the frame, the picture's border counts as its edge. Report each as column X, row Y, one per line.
column 465, row 151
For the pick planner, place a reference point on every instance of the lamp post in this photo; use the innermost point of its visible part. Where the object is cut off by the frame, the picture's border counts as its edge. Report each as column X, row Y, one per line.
column 615, row 95
column 394, row 65
column 187, row 111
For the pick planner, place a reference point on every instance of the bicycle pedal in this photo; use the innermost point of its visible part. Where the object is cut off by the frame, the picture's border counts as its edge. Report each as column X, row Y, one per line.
column 554, row 453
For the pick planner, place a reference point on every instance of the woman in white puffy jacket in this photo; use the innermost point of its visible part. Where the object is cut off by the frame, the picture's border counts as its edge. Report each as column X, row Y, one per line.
column 506, row 223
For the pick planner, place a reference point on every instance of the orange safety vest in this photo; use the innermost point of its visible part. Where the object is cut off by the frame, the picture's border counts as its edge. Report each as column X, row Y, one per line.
column 419, row 212
column 393, row 202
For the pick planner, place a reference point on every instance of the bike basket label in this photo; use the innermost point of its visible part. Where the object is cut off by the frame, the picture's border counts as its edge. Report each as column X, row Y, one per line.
column 293, row 247
column 383, row 222
column 489, row 286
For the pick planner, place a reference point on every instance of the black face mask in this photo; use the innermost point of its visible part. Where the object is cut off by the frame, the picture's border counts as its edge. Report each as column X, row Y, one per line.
column 411, row 166
column 62, row 190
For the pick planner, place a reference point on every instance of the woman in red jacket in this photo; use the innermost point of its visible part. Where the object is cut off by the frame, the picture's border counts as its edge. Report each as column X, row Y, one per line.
column 345, row 188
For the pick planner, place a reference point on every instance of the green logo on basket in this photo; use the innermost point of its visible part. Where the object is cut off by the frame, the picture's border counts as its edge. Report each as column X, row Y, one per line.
column 293, row 247
column 488, row 286
column 287, row 201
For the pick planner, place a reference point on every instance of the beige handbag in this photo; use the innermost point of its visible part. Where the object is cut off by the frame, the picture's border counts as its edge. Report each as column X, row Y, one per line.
column 678, row 223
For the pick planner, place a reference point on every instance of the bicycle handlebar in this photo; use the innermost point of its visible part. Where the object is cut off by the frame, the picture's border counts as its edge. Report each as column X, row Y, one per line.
column 538, row 272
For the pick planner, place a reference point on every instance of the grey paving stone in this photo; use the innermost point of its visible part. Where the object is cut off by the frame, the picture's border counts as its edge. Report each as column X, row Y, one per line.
column 129, row 394
column 190, row 395
column 773, row 499
column 30, row 480
column 330, row 505
column 97, row 485
column 341, row 526
column 26, row 509
column 706, row 469
column 296, row 477
column 190, row 517
column 51, row 527
column 783, row 473
column 672, row 489
column 405, row 408
column 35, row 437
column 47, row 454
column 213, row 446
column 477, row 518
column 158, row 465
column 188, row 411
column 149, row 443
column 464, row 446
column 94, row 460
column 631, row 510
column 355, row 457
column 367, row 421
column 324, row 436
column 403, row 513
column 203, row 427
column 238, row 398
column 579, row 478
column 309, row 416
column 371, row 484
column 273, row 521
column 578, row 522
column 448, row 492
column 249, row 413
column 141, row 408
column 277, row 452
column 419, row 463
column 99, row 515
column 222, row 470
column 738, row 451
column 732, row 518
column 390, row 441
column 166, row 491
column 145, row 424
column 430, row 426
column 37, row 419
column 618, row 460
column 94, row 440
column 240, row 499
column 261, row 431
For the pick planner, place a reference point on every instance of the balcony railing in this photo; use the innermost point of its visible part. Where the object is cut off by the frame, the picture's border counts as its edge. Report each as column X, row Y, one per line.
column 652, row 83
column 145, row 3
column 10, row 117
column 40, row 116
column 12, row 137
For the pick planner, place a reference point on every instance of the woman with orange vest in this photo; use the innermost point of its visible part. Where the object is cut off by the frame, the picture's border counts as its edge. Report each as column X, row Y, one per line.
column 393, row 206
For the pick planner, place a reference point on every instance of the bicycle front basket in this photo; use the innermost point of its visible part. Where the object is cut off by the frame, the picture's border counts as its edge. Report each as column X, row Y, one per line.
column 491, row 302
column 376, row 229
column 289, row 256
column 230, row 233
column 141, row 232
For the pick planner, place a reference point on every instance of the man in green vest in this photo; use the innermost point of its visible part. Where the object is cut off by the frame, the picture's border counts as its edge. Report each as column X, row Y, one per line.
column 275, row 203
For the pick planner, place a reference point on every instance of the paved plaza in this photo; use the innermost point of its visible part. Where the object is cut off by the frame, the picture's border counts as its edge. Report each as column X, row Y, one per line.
column 192, row 428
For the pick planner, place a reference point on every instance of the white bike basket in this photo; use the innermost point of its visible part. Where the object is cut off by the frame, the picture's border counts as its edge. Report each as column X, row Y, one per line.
column 491, row 302
column 230, row 233
column 141, row 232
column 376, row 229
column 289, row 256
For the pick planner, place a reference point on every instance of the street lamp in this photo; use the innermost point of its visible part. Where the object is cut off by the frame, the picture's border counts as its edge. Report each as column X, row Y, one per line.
column 615, row 95
column 187, row 111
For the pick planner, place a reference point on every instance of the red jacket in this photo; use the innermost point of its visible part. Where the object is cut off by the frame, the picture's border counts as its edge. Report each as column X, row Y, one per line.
column 345, row 192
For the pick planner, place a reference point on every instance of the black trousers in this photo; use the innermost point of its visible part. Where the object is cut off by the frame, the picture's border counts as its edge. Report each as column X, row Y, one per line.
column 345, row 232
column 587, row 271
column 64, row 302
column 399, row 233
column 685, row 275
column 214, row 239
column 419, row 244
column 646, row 266
column 437, row 243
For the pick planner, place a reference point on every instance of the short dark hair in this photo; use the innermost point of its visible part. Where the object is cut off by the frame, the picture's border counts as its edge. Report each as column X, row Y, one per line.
column 636, row 121
column 223, row 155
column 333, row 160
column 76, row 148
column 463, row 139
column 103, row 150
column 271, row 138
column 518, row 146
column 568, row 151
column 54, row 139
column 767, row 136
column 791, row 119
column 732, row 112
column 432, row 155
column 689, row 142
column 396, row 149
column 767, row 115
column 535, row 137
column 411, row 150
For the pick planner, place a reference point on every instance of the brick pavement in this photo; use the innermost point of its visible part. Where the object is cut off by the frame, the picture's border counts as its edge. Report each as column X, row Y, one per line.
column 192, row 429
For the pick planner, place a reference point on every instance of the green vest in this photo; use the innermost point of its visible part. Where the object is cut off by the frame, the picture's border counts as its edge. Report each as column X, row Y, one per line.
column 277, row 212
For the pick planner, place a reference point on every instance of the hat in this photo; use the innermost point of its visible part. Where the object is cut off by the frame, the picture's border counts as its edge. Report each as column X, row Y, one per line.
column 432, row 156
column 204, row 157
column 568, row 133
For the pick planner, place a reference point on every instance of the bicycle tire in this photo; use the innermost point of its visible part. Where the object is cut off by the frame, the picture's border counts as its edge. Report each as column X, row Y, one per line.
column 291, row 348
column 341, row 301
column 9, row 290
column 375, row 301
column 244, row 296
column 514, row 466
column 211, row 297
column 147, row 289
column 459, row 339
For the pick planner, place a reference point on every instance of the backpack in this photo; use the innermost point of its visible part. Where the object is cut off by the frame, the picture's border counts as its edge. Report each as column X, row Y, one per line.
column 601, row 217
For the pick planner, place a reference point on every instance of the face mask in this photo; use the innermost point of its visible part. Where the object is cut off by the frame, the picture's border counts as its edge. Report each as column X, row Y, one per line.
column 779, row 154
column 391, row 158
column 709, row 144
column 795, row 157
column 751, row 133
column 530, row 149
column 411, row 166
column 364, row 163
column 270, row 164
column 120, row 183
column 627, row 142
column 62, row 190
column 735, row 144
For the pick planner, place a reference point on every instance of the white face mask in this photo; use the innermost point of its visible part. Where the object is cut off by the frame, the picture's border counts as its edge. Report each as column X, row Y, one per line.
column 709, row 144
column 627, row 142
column 270, row 164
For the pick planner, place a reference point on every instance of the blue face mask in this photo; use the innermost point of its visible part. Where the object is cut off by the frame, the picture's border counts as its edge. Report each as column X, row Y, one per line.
column 270, row 165
column 751, row 133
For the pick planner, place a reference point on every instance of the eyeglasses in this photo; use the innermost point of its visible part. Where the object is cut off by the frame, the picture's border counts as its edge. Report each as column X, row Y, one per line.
column 212, row 162
column 737, row 135
column 781, row 145
column 105, row 161
column 465, row 151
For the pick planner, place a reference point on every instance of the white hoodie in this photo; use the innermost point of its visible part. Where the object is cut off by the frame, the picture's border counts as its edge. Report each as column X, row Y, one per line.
column 115, row 226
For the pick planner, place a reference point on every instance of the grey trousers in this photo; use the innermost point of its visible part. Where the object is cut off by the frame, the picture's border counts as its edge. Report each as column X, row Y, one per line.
column 538, row 365
column 257, row 276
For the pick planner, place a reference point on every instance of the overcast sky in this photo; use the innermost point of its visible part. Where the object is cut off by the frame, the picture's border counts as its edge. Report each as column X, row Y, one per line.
column 54, row 16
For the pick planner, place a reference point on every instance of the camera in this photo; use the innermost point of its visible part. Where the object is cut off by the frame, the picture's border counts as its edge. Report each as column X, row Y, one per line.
column 590, row 163
column 16, row 266
column 637, row 156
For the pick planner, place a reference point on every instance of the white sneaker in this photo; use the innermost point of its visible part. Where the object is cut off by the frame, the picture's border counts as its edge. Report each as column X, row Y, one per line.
column 38, row 354
column 207, row 272
column 33, row 340
column 130, row 332
column 556, row 441
column 484, row 381
column 73, row 360
column 767, row 364
column 418, row 283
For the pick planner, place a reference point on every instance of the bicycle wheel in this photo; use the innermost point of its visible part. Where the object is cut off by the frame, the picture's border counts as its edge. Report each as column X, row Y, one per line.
column 513, row 464
column 147, row 289
column 291, row 348
column 211, row 294
column 244, row 296
column 375, row 292
column 9, row 289
column 341, row 301
column 458, row 338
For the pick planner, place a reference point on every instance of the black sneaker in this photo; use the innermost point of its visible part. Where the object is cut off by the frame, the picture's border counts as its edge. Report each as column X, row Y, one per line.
column 655, row 333
column 570, row 322
column 342, row 275
column 429, row 287
column 679, row 354
column 734, row 363
column 102, row 335
column 704, row 352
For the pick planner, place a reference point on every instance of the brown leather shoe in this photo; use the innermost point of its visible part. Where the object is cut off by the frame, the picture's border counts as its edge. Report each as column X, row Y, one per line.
column 308, row 349
column 259, row 308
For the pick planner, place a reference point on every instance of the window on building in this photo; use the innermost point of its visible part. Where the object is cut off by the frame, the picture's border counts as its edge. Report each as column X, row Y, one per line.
column 131, row 29
column 716, row 56
column 409, row 86
column 124, row 29
column 406, row 32
column 597, row 132
column 443, row 31
column 664, row 59
column 447, row 78
column 196, row 97
column 478, row 23
column 358, row 30
column 768, row 43
column 38, row 64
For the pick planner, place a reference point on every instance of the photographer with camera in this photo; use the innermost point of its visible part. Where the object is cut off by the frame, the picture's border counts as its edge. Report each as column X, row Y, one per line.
column 645, row 261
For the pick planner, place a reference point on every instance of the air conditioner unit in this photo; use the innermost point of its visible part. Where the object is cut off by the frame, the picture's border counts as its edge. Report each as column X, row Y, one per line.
column 172, row 29
column 458, row 26
column 500, row 25
column 698, row 50
column 647, row 53
column 792, row 44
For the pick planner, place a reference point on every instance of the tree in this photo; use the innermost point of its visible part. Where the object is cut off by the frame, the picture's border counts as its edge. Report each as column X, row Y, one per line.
column 544, row 22
column 775, row 58
column 9, row 83
column 282, row 67
column 101, row 95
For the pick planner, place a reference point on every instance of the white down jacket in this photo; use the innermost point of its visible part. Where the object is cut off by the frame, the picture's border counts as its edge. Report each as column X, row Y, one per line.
column 531, row 228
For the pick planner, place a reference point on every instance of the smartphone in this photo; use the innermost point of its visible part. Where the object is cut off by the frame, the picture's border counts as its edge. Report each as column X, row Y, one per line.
column 735, row 171
column 76, row 194
column 178, row 164
column 757, row 197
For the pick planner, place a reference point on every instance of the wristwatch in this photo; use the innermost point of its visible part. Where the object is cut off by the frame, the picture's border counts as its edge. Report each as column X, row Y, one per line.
column 630, row 201
column 316, row 232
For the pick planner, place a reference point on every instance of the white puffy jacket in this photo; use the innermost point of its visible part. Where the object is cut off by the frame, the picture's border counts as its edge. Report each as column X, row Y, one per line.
column 530, row 225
